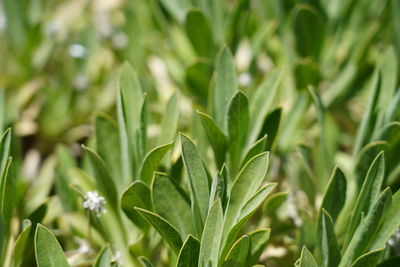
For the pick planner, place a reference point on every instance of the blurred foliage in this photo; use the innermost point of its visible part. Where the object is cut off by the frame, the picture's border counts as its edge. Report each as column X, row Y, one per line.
column 315, row 82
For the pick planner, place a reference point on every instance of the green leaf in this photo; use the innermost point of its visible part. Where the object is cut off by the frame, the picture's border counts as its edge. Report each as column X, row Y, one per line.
column 309, row 30
column 189, row 254
column 65, row 161
column 177, row 8
column 220, row 187
column 169, row 123
column 136, row 195
column 369, row 259
column 107, row 144
column 131, row 103
column 103, row 178
column 306, row 259
column 246, row 212
column 257, row 148
column 367, row 229
column 274, row 202
column 21, row 246
column 365, row 158
column 145, row 262
column 392, row 111
column 171, row 203
column 7, row 196
column 198, row 75
column 212, row 234
column 164, row 228
column 225, row 85
column 390, row 225
column 103, row 259
column 216, row 137
column 368, row 194
column 245, row 185
column 238, row 254
column 329, row 246
column 237, row 116
column 334, row 198
column 5, row 143
column 199, row 32
column 365, row 129
column 258, row 241
column 152, row 161
column 47, row 249
column 261, row 102
column 271, row 127
column 199, row 188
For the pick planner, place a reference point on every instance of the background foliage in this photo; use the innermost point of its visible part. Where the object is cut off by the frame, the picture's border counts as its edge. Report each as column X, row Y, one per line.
column 297, row 101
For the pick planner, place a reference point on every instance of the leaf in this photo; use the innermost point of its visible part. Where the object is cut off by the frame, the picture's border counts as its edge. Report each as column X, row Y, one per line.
column 145, row 262
column 245, row 185
column 271, row 127
column 7, row 196
column 258, row 241
column 246, row 212
column 368, row 194
column 257, row 148
column 274, row 202
column 169, row 123
column 171, row 203
column 136, row 195
column 330, row 248
column 306, row 259
column 199, row 188
column 21, row 245
column 103, row 259
column 212, row 234
column 47, row 249
column 5, row 143
column 107, row 145
column 197, row 78
column 369, row 259
column 220, row 188
column 261, row 102
column 199, row 32
column 367, row 229
column 225, row 85
column 238, row 254
column 152, row 161
column 130, row 119
column 177, row 8
column 216, row 137
column 365, row 129
column 238, row 123
column 65, row 161
column 333, row 199
column 189, row 254
column 365, row 158
column 392, row 111
column 309, row 30
column 103, row 178
column 390, row 224
column 164, row 228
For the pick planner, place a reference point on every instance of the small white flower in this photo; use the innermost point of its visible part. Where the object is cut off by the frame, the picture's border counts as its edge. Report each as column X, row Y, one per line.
column 95, row 203
column 245, row 79
column 77, row 50
column 394, row 241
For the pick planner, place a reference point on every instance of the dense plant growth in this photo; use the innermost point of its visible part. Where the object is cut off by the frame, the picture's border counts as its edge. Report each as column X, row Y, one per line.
column 200, row 133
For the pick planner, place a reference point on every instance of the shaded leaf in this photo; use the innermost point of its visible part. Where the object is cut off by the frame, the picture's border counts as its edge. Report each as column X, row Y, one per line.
column 164, row 228
column 189, row 254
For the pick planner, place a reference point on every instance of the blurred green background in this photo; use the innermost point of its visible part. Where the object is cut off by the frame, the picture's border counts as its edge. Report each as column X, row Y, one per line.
column 60, row 63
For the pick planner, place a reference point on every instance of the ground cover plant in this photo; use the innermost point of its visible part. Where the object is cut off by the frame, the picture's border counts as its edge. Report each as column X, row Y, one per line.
column 200, row 133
